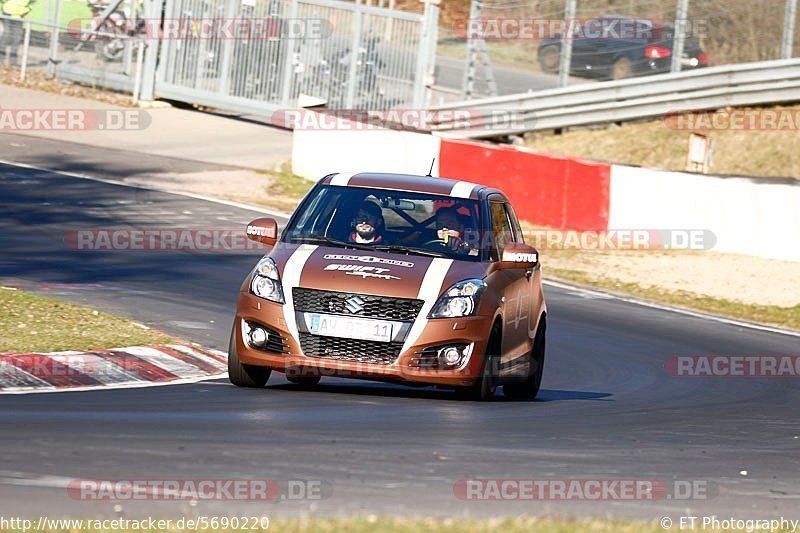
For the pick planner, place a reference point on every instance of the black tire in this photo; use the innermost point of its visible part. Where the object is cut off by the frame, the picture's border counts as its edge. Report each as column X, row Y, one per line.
column 484, row 388
column 550, row 58
column 529, row 388
column 621, row 69
column 303, row 381
column 245, row 375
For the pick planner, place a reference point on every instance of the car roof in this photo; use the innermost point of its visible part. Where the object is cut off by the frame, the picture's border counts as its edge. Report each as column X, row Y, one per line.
column 410, row 183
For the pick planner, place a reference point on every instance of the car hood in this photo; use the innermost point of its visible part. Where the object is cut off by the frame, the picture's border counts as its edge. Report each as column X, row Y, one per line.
column 367, row 272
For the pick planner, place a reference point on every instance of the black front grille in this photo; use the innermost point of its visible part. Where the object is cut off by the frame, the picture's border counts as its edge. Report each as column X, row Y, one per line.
column 429, row 357
column 360, row 351
column 317, row 301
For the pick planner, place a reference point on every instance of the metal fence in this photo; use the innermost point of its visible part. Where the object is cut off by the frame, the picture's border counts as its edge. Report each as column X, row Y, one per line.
column 552, row 42
column 348, row 55
column 253, row 56
column 62, row 51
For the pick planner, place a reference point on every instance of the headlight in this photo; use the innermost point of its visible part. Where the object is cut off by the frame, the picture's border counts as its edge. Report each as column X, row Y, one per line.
column 266, row 282
column 459, row 300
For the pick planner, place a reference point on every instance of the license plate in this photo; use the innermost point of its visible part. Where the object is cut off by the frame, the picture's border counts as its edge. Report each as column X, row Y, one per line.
column 351, row 328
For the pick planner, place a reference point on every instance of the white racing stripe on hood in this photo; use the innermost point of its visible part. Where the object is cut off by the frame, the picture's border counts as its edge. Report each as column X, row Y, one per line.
column 429, row 292
column 291, row 279
column 462, row 189
column 342, row 179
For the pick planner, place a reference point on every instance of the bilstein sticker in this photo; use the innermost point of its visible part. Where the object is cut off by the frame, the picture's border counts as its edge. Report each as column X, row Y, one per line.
column 368, row 259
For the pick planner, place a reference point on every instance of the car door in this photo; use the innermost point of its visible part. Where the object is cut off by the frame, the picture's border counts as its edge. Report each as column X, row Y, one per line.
column 536, row 301
column 592, row 48
column 512, row 284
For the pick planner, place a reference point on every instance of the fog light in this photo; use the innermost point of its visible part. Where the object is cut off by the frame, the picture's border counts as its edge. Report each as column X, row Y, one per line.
column 450, row 356
column 258, row 337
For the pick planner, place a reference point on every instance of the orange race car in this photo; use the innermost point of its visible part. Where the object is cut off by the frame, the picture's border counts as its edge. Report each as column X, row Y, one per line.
column 412, row 279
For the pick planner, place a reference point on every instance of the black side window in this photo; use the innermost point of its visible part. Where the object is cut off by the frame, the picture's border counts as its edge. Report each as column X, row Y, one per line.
column 502, row 233
column 518, row 235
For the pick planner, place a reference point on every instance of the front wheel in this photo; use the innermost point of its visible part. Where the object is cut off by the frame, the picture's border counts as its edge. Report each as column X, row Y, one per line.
column 243, row 375
column 622, row 69
column 550, row 58
column 485, row 386
column 529, row 388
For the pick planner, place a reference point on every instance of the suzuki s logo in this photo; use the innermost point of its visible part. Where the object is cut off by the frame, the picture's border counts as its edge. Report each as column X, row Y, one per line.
column 354, row 304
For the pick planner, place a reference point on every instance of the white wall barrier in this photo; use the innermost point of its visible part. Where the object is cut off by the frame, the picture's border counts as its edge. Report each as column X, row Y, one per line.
column 341, row 145
column 748, row 215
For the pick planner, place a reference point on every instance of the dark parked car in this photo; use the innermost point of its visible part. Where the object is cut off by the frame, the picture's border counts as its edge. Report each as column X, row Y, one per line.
column 616, row 47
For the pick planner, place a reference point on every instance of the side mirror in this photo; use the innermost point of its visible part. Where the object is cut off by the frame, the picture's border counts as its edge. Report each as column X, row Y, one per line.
column 263, row 230
column 519, row 255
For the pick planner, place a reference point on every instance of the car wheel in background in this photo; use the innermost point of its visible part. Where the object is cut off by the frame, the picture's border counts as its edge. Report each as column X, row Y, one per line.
column 549, row 58
column 245, row 375
column 622, row 69
column 529, row 388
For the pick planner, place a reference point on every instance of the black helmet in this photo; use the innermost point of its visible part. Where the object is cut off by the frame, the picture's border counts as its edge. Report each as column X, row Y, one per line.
column 373, row 211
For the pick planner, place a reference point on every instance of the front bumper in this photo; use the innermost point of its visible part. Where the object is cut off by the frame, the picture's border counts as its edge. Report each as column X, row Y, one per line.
column 436, row 332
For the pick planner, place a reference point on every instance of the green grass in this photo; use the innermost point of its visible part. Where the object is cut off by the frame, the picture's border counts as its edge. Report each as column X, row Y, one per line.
column 286, row 189
column 766, row 314
column 32, row 323
column 656, row 144
column 288, row 184
column 519, row 53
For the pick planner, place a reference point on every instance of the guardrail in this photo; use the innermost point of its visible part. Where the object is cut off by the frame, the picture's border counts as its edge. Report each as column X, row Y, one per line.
column 766, row 82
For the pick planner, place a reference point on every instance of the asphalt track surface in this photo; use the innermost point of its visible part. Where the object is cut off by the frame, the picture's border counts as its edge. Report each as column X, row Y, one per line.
column 608, row 409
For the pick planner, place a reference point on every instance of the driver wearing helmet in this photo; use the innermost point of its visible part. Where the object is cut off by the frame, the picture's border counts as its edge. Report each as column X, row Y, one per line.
column 368, row 224
column 450, row 229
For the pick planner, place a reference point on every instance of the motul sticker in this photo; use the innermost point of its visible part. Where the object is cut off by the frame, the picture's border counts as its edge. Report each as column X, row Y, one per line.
column 520, row 257
column 260, row 231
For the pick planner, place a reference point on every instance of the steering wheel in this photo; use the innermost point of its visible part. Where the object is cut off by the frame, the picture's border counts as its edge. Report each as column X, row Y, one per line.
column 439, row 242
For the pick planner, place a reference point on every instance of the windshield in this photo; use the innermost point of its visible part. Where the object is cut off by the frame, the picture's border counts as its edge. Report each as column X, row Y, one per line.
column 390, row 221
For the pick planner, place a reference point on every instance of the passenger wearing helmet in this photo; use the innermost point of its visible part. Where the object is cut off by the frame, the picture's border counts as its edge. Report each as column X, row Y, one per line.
column 368, row 224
